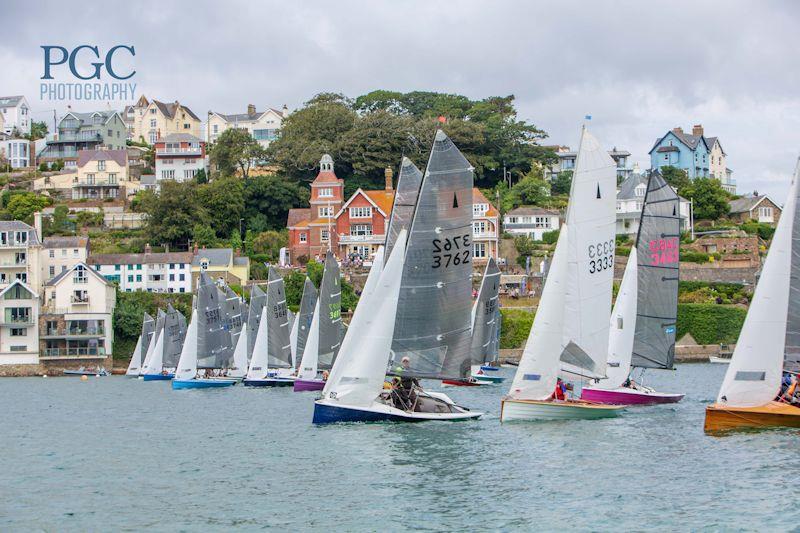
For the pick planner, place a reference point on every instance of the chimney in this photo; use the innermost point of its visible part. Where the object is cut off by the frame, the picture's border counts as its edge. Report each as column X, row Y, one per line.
column 677, row 129
column 166, row 248
column 697, row 130
column 37, row 224
column 285, row 111
column 195, row 247
column 251, row 109
column 148, row 249
column 388, row 175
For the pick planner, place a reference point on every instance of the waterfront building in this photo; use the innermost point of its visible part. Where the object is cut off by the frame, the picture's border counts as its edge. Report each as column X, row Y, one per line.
column 17, row 151
column 532, row 221
column 756, row 207
column 19, row 331
column 16, row 115
column 152, row 272
column 630, row 197
column 102, row 174
column 566, row 162
column 221, row 264
column 485, row 228
column 84, row 131
column 150, row 120
column 62, row 253
column 261, row 125
column 75, row 321
column 179, row 157
column 20, row 251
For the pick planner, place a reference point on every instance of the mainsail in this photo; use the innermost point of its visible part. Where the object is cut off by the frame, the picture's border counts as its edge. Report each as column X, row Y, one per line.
column 330, row 313
column 278, row 346
column 433, row 317
column 158, row 331
column 408, row 183
column 302, row 322
column 485, row 321
column 214, row 349
column 657, row 251
column 142, row 345
column 257, row 301
column 174, row 333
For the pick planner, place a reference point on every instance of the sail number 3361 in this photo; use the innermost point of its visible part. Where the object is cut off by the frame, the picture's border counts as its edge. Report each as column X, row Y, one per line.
column 451, row 251
column 601, row 256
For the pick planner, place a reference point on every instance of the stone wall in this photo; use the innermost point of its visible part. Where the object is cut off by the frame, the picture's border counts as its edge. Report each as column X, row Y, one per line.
column 714, row 272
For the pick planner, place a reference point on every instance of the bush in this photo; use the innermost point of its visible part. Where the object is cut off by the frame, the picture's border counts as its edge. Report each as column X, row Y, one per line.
column 710, row 323
column 516, row 327
column 550, row 237
column 43, row 166
column 765, row 231
column 130, row 310
column 699, row 257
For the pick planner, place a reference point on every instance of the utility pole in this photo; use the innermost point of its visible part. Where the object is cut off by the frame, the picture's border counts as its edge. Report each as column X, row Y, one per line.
column 691, row 217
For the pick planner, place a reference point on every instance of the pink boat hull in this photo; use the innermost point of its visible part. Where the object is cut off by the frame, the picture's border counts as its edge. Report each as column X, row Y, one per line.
column 302, row 385
column 625, row 396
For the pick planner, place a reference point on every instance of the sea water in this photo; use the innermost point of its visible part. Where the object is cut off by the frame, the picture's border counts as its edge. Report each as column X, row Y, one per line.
column 119, row 454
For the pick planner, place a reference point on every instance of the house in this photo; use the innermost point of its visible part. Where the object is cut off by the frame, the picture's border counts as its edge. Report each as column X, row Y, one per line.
column 221, row 264
column 357, row 226
column 567, row 157
column 75, row 320
column 84, row 131
column 62, row 253
column 19, row 330
column 532, row 221
column 17, row 151
column 179, row 157
column 151, row 272
column 102, row 174
column 755, row 207
column 20, row 248
column 151, row 120
column 718, row 166
column 630, row 198
column 16, row 115
column 261, row 125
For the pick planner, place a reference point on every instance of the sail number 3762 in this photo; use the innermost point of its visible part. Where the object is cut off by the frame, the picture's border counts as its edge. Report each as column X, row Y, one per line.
column 451, row 251
column 601, row 256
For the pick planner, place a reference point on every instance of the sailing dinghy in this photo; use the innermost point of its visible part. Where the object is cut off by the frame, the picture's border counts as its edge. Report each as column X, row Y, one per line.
column 164, row 358
column 142, row 344
column 302, row 322
column 570, row 330
column 271, row 365
column 769, row 343
column 324, row 335
column 642, row 328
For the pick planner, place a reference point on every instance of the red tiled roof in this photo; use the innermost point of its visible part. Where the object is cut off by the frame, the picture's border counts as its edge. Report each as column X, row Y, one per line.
column 120, row 156
column 383, row 199
column 296, row 216
column 326, row 177
column 479, row 198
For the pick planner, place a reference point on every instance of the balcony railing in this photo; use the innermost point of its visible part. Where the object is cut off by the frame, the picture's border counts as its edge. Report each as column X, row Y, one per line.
column 361, row 238
column 74, row 352
column 179, row 151
column 13, row 263
column 17, row 320
column 79, row 300
column 484, row 234
column 78, row 137
column 55, row 152
column 74, row 332
column 96, row 183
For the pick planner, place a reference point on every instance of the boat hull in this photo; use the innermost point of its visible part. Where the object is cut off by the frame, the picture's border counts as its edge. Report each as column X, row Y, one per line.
column 488, row 379
column 463, row 383
column 158, row 377
column 555, row 410
column 303, row 385
column 774, row 414
column 489, row 368
column 178, row 384
column 269, row 382
column 719, row 360
column 326, row 412
column 85, row 373
column 627, row 396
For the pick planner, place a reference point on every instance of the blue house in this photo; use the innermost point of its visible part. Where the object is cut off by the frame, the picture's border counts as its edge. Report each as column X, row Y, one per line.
column 682, row 150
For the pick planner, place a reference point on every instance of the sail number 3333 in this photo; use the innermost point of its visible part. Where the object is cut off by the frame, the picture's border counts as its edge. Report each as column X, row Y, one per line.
column 451, row 251
column 601, row 256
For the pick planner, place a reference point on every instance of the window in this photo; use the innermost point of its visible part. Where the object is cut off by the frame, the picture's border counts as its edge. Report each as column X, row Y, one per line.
column 325, row 192
column 303, row 237
column 52, row 254
column 79, row 275
column 101, row 165
column 172, row 266
column 138, row 267
column 511, row 220
column 21, row 237
column 74, row 252
column 765, row 214
column 215, row 128
column 167, row 174
column 52, row 271
column 326, row 211
column 138, row 277
column 130, row 278
column 152, row 137
column 264, row 135
column 117, row 267
column 152, row 123
column 112, row 178
column 189, row 174
column 181, row 277
column 361, row 212
column 479, row 249
column 20, row 258
column 480, row 209
column 639, row 190
column 324, row 236
column 204, row 264
column 541, row 222
column 479, row 227
column 361, row 229
column 172, row 277
column 19, row 332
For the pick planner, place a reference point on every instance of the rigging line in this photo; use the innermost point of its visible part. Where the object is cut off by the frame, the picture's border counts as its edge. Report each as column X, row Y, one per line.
column 659, row 266
column 648, row 359
column 661, row 201
column 673, row 318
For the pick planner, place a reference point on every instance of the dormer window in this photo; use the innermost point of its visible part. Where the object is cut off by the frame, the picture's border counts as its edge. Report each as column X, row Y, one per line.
column 480, row 209
column 101, row 165
column 325, row 192
column 79, row 275
column 640, row 190
column 204, row 264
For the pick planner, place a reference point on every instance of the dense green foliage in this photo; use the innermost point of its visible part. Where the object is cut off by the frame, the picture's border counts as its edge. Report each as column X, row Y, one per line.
column 22, row 205
column 515, row 327
column 129, row 312
column 235, row 151
column 710, row 323
column 562, row 183
column 710, row 199
column 762, row 229
column 712, row 292
column 676, row 177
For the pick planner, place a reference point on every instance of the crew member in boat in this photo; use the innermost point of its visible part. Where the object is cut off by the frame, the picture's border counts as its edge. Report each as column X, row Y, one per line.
column 404, row 384
column 561, row 390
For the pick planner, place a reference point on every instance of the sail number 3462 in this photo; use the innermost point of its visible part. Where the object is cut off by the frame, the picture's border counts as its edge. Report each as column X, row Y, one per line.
column 601, row 256
column 451, row 251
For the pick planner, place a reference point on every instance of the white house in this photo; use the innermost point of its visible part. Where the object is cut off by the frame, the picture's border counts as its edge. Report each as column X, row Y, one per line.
column 18, row 152
column 532, row 221
column 262, row 125
column 16, row 115
column 19, row 333
column 151, row 272
column 62, row 253
column 179, row 157
column 19, row 254
column 630, row 198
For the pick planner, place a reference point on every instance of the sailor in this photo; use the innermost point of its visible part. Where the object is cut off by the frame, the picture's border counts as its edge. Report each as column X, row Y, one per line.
column 404, row 383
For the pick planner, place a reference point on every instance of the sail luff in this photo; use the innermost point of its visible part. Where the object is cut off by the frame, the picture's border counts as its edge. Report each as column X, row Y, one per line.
column 409, row 181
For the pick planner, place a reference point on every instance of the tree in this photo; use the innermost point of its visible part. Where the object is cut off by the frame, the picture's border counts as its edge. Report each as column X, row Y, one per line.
column 524, row 245
column 90, row 218
column 269, row 243
column 709, row 198
column 530, row 190
column 201, row 177
column 22, row 206
column 223, row 200
column 236, row 240
column 173, row 213
column 60, row 222
column 38, row 130
column 267, row 201
column 204, row 236
column 677, row 177
column 562, row 183
column 236, row 150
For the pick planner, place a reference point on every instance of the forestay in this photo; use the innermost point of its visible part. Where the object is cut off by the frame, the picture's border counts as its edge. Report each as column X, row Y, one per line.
column 408, row 183
column 433, row 316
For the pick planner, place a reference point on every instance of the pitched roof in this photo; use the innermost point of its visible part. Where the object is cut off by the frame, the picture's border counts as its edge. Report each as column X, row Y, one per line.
column 168, row 110
column 383, row 199
column 145, row 258
column 19, row 282
column 66, row 242
column 627, row 189
column 532, row 210
column 120, row 156
column 326, row 177
column 748, row 203
column 691, row 141
column 215, row 256
column 16, row 225
column 247, row 117
column 479, row 198
column 298, row 215
column 10, row 101
column 64, row 273
column 241, row 260
column 180, row 137
column 85, row 118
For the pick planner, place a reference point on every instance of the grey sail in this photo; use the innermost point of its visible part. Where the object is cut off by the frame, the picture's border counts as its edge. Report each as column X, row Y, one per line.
column 657, row 251
column 483, row 325
column 148, row 329
column 791, row 354
column 174, row 333
column 279, row 348
column 434, row 312
column 159, row 327
column 231, row 306
column 291, row 318
column 305, row 315
column 213, row 340
column 330, row 313
column 494, row 346
column 408, row 183
column 258, row 299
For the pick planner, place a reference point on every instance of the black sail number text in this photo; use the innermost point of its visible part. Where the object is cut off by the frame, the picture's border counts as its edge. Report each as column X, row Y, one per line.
column 449, row 252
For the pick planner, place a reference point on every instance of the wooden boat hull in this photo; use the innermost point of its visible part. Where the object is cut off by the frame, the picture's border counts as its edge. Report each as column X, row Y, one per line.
column 511, row 409
column 158, row 377
column 627, row 396
column 269, row 382
column 303, row 385
column 326, row 412
column 463, row 383
column 774, row 414
column 178, row 384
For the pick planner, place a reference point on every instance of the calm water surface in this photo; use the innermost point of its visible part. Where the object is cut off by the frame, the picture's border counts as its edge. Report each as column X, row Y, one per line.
column 119, row 454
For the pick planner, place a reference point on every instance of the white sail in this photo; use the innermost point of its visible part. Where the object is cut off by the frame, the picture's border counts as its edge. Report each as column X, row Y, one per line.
column 293, row 340
column 754, row 374
column 136, row 359
column 622, row 328
column 590, row 227
column 538, row 368
column 310, row 360
column 360, row 369
column 259, row 362
column 239, row 368
column 148, row 356
column 156, row 362
column 187, row 363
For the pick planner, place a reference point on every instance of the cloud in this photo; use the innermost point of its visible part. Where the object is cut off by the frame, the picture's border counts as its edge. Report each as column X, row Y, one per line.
column 639, row 70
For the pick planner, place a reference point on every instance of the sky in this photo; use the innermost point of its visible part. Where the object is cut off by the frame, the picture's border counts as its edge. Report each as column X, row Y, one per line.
column 638, row 68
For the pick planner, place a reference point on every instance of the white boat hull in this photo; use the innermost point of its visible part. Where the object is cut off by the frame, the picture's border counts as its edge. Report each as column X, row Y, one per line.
column 555, row 410
column 719, row 360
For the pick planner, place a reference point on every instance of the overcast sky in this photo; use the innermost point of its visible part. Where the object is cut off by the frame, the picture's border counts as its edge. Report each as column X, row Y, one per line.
column 639, row 68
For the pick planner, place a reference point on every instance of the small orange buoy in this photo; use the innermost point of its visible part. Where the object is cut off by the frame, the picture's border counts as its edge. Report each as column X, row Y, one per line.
column 84, row 378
